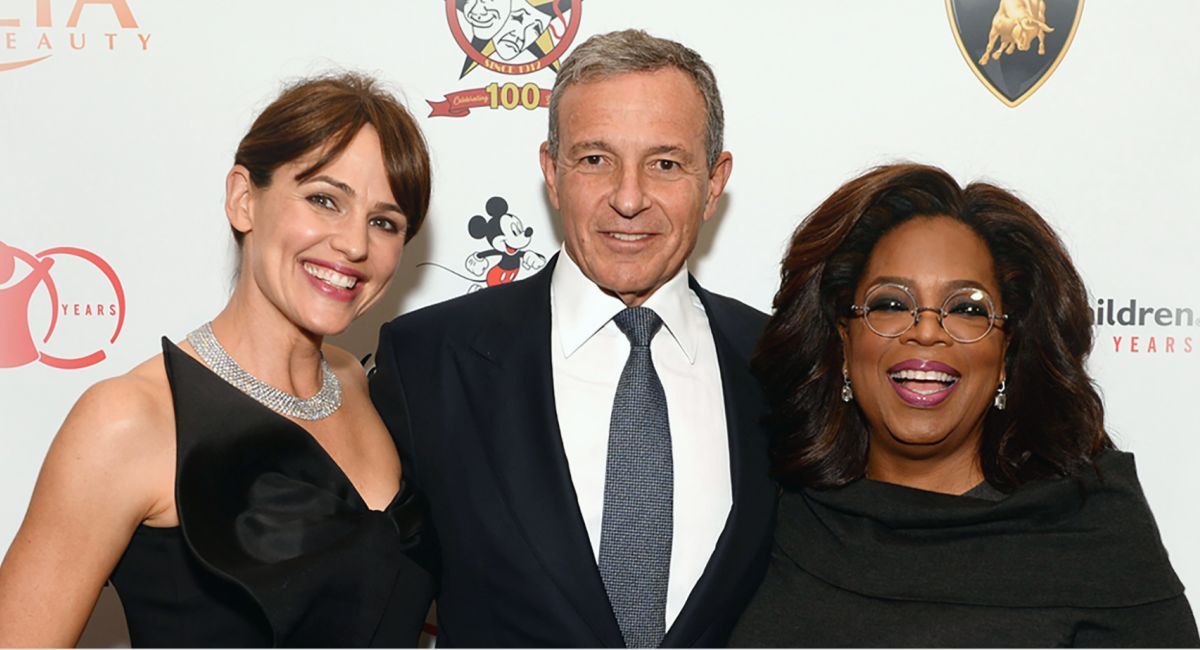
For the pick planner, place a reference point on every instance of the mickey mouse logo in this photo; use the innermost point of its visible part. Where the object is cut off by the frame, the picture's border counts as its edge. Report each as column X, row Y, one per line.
column 507, row 252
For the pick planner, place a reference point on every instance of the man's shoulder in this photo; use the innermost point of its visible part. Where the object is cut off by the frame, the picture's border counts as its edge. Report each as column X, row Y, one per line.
column 469, row 314
column 730, row 313
column 732, row 320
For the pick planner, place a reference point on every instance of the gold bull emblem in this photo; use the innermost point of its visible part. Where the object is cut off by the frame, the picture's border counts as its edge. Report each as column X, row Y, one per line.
column 1016, row 24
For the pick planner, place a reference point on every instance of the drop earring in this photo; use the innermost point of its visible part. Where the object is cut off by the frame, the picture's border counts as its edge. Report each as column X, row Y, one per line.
column 1001, row 399
column 847, row 391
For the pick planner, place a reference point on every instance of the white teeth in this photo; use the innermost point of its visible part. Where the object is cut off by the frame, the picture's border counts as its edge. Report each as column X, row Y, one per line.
column 329, row 276
column 621, row 236
column 923, row 375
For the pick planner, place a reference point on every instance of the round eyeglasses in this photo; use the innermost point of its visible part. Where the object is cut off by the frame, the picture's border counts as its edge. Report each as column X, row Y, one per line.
column 967, row 314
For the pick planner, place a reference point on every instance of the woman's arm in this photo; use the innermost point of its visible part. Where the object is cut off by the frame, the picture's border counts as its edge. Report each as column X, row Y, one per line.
column 102, row 476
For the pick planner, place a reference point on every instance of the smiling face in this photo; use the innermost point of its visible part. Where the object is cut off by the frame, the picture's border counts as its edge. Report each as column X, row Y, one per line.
column 320, row 251
column 513, row 236
column 486, row 17
column 923, row 394
column 631, row 180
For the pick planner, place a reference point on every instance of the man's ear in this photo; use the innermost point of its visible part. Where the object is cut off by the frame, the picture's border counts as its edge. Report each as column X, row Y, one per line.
column 238, row 195
column 550, row 173
column 718, row 176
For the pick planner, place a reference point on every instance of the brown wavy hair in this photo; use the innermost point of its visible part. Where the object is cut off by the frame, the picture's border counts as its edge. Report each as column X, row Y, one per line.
column 1054, row 423
column 324, row 114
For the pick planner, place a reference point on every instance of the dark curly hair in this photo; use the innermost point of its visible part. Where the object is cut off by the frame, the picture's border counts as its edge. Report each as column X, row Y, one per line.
column 1054, row 423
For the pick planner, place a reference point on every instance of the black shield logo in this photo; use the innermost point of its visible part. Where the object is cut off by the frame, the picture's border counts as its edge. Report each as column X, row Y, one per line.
column 1013, row 46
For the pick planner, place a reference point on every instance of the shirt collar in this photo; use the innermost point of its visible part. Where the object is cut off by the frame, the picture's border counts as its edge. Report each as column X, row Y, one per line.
column 581, row 309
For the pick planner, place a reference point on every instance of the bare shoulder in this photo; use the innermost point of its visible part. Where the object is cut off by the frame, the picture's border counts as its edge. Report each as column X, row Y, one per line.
column 125, row 424
column 118, row 441
column 133, row 409
column 109, row 469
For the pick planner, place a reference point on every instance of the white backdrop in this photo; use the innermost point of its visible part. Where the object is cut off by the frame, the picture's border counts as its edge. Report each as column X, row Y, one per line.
column 118, row 145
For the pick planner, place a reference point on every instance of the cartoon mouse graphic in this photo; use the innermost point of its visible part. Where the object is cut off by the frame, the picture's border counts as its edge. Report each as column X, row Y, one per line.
column 507, row 239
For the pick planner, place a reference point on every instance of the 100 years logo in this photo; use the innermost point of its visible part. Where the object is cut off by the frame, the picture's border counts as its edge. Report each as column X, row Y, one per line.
column 60, row 307
column 509, row 37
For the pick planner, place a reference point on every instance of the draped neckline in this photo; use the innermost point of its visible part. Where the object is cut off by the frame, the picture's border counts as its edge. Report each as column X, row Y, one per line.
column 1088, row 540
column 263, row 504
column 295, row 427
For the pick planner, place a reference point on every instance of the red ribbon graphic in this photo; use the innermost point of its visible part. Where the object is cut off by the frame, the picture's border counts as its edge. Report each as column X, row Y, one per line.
column 459, row 104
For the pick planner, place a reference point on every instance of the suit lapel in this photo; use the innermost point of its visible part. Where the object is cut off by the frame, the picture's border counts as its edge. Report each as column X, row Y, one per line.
column 508, row 367
column 748, row 525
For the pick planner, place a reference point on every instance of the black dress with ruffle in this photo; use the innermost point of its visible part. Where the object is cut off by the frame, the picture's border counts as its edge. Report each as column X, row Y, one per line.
column 275, row 547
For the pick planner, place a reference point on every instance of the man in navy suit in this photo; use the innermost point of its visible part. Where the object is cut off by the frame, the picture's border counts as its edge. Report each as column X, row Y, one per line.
column 521, row 411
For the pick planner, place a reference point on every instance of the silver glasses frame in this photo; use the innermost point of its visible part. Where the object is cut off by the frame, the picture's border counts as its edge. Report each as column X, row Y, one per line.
column 864, row 309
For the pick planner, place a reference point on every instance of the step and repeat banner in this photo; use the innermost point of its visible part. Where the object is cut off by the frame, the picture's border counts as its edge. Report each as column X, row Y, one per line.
column 119, row 119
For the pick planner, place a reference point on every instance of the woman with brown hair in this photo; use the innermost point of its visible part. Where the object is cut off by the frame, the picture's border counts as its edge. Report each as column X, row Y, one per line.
column 947, row 476
column 240, row 489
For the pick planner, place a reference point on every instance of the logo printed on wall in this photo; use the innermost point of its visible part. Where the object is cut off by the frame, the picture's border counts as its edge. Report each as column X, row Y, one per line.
column 507, row 239
column 1013, row 46
column 1146, row 327
column 42, row 32
column 510, row 37
column 63, row 312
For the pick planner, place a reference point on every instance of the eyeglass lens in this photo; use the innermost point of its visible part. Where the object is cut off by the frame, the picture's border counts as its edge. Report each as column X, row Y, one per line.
column 967, row 313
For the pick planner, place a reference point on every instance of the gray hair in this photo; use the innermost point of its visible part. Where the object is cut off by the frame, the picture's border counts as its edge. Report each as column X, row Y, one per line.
column 633, row 50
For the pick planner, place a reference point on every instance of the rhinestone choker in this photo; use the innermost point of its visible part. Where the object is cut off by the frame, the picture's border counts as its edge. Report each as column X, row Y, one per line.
column 319, row 406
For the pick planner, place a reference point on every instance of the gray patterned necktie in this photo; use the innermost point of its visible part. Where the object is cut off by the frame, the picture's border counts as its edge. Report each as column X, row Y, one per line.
column 635, row 536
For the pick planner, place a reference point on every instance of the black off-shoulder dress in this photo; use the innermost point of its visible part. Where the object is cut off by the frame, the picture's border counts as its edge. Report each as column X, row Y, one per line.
column 275, row 547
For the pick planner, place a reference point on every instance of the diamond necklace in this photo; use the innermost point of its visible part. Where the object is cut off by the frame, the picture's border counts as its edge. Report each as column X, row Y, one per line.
column 319, row 406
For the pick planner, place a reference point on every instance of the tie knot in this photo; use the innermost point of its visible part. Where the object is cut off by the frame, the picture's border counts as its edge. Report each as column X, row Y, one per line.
column 638, row 324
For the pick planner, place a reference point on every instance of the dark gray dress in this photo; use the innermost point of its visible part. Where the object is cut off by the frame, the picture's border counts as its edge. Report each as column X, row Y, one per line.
column 1073, row 562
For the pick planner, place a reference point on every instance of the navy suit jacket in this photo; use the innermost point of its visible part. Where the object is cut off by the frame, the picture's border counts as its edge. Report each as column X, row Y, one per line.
column 467, row 390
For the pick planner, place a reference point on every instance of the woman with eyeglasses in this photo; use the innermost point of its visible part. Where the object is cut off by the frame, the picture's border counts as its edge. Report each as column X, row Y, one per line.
column 947, row 476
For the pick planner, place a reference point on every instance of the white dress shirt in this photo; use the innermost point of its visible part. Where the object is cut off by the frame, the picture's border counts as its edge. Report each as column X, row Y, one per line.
column 588, row 353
